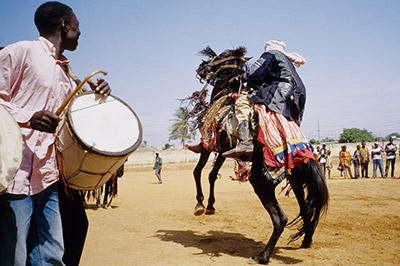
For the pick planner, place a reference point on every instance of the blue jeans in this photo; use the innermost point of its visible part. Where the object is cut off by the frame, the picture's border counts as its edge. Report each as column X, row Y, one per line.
column 30, row 229
column 378, row 162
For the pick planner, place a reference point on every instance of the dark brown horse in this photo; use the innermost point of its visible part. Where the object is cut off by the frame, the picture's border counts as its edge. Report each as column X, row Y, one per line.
column 218, row 71
column 306, row 181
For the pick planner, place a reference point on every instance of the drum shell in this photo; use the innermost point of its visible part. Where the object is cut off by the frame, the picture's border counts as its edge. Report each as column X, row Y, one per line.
column 11, row 148
column 83, row 169
column 86, row 167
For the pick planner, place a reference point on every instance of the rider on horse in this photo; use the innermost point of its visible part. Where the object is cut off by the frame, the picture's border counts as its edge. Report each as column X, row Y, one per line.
column 271, row 81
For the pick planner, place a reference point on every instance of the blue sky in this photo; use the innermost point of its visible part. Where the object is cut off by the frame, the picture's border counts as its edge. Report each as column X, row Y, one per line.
column 149, row 48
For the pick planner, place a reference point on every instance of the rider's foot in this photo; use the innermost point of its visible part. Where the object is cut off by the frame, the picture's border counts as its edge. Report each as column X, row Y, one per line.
column 195, row 148
column 242, row 149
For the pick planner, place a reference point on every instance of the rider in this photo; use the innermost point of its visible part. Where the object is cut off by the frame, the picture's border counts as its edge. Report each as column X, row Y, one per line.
column 274, row 83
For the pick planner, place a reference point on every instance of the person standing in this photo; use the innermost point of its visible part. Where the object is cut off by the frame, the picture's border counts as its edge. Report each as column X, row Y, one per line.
column 345, row 161
column 357, row 161
column 364, row 157
column 390, row 150
column 322, row 158
column 376, row 154
column 329, row 165
column 34, row 82
column 158, row 166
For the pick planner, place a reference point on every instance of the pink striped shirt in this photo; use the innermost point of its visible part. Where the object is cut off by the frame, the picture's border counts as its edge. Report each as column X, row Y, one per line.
column 32, row 79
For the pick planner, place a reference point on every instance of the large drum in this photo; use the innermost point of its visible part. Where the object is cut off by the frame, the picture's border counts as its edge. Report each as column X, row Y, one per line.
column 11, row 148
column 94, row 139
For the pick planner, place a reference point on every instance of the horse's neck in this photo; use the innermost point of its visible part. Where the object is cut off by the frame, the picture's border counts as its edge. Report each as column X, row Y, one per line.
column 223, row 87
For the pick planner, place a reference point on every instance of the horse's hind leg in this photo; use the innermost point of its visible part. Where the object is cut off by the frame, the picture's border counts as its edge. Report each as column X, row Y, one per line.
column 265, row 190
column 199, row 209
column 212, row 178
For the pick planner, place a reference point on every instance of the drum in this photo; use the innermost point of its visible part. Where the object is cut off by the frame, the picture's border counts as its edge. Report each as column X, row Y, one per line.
column 11, row 148
column 94, row 139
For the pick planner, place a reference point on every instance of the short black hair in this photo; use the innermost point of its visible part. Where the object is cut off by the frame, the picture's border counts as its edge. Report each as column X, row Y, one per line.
column 48, row 16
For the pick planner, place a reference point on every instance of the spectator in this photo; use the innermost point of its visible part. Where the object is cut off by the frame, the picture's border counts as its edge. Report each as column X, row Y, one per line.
column 158, row 167
column 376, row 154
column 345, row 161
column 328, row 162
column 322, row 158
column 364, row 157
column 390, row 150
column 357, row 161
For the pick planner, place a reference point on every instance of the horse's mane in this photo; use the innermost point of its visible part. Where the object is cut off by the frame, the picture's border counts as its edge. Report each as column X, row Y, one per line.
column 208, row 52
column 240, row 51
column 198, row 99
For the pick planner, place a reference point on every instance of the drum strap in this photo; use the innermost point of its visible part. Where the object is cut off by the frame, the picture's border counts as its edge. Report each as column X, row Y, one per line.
column 75, row 78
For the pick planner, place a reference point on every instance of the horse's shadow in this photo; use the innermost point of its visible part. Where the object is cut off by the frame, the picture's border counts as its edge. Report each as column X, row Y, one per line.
column 216, row 243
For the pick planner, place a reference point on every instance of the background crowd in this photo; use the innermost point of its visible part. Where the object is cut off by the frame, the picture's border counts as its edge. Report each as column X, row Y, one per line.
column 359, row 159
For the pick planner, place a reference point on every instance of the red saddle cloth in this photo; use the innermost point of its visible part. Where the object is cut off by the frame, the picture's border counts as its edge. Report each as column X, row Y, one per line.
column 284, row 143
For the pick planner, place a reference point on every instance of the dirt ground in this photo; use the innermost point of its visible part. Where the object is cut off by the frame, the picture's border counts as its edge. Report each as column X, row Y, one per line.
column 152, row 224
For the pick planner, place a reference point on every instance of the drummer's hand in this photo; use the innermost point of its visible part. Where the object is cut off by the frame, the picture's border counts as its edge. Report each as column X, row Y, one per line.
column 45, row 121
column 101, row 86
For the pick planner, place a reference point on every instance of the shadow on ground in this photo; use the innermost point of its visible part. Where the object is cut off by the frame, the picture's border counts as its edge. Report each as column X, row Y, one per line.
column 216, row 243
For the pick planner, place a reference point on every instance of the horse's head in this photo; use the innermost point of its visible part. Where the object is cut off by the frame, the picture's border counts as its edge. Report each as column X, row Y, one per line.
column 221, row 67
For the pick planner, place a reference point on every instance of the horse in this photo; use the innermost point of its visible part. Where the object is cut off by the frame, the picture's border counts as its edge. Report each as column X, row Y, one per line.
column 218, row 71
column 306, row 180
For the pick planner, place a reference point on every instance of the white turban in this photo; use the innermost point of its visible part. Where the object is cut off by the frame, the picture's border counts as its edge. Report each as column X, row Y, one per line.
column 295, row 58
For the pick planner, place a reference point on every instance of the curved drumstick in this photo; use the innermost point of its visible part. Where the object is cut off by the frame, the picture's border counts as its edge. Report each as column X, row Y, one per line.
column 69, row 98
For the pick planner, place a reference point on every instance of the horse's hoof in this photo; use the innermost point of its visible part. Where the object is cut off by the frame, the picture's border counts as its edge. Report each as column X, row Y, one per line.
column 199, row 210
column 256, row 259
column 210, row 212
column 306, row 244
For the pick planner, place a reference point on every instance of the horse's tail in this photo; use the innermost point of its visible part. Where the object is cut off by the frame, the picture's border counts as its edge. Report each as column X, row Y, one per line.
column 316, row 201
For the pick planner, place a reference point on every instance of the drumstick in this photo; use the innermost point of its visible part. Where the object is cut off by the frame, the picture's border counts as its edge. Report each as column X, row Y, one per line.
column 69, row 98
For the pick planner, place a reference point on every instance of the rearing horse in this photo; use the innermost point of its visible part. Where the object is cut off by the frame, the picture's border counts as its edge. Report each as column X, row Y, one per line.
column 217, row 71
column 306, row 180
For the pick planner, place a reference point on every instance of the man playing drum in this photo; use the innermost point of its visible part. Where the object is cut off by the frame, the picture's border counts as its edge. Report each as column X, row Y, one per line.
column 34, row 81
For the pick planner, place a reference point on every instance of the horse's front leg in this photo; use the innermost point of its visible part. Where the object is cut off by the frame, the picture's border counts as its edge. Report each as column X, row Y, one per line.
column 199, row 208
column 212, row 178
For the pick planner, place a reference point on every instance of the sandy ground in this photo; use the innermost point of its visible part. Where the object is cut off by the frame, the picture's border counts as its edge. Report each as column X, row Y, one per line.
column 152, row 224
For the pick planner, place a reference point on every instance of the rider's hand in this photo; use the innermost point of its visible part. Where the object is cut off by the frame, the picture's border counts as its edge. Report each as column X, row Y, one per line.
column 101, row 86
column 45, row 121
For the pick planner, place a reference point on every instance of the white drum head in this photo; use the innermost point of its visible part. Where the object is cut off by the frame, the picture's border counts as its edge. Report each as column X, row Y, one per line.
column 11, row 148
column 105, row 125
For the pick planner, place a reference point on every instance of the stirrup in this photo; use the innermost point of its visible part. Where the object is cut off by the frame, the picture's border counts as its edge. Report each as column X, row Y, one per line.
column 237, row 152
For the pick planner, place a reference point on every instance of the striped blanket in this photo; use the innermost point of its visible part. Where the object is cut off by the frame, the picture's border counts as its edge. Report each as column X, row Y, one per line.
column 285, row 145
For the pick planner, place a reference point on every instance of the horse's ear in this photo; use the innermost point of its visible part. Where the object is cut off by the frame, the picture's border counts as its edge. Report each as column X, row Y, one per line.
column 208, row 52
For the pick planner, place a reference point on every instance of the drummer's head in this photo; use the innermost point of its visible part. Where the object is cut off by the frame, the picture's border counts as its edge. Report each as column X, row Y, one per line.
column 56, row 19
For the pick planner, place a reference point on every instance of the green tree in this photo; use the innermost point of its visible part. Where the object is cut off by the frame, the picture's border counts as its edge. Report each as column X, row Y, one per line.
column 314, row 141
column 166, row 146
column 327, row 140
column 397, row 135
column 351, row 135
column 182, row 128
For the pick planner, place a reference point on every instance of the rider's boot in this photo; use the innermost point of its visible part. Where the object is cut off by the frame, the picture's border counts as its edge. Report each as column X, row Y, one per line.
column 245, row 146
column 195, row 148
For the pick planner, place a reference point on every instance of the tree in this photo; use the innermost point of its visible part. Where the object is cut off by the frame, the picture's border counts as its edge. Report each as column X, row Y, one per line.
column 351, row 135
column 182, row 128
column 314, row 141
column 327, row 140
column 397, row 135
column 166, row 146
